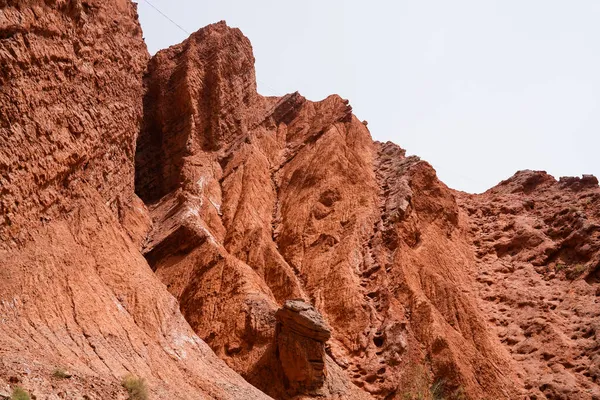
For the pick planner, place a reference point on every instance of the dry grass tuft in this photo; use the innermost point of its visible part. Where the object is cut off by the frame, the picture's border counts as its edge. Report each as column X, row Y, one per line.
column 136, row 387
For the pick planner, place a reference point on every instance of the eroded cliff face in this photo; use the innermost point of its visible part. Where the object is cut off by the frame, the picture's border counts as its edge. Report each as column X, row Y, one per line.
column 69, row 72
column 537, row 242
column 244, row 246
column 256, row 200
column 75, row 291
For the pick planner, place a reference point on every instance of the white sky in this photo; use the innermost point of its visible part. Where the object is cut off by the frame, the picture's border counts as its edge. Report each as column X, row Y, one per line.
column 478, row 88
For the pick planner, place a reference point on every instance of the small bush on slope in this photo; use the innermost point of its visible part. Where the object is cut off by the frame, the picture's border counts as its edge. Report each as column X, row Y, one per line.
column 60, row 373
column 136, row 387
column 19, row 394
column 575, row 272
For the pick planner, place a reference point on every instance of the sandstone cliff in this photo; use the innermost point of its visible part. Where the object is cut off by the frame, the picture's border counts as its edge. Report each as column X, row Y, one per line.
column 161, row 218
column 256, row 200
column 75, row 291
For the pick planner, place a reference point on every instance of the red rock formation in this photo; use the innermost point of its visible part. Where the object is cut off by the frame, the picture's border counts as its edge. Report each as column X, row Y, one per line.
column 70, row 107
column 75, row 291
column 300, row 336
column 404, row 288
column 257, row 200
column 538, row 275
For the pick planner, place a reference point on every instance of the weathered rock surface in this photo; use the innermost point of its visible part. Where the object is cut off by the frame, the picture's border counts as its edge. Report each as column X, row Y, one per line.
column 257, row 200
column 538, row 277
column 301, row 335
column 75, row 290
column 404, row 288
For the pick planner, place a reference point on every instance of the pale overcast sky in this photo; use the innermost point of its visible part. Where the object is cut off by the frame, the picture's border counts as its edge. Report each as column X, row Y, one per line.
column 478, row 88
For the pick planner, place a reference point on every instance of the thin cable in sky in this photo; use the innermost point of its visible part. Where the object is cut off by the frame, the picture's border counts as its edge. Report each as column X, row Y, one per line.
column 165, row 15
column 184, row 30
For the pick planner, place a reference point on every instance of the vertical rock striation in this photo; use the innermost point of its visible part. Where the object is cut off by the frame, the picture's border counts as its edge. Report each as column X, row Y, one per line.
column 256, row 200
column 238, row 203
column 75, row 291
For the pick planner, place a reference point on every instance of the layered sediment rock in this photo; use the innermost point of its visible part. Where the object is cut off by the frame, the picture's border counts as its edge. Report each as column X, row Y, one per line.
column 243, row 202
column 287, row 198
column 301, row 335
column 70, row 97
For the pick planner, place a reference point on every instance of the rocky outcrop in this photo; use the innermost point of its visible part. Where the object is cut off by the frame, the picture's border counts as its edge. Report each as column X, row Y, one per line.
column 256, row 200
column 75, row 291
column 70, row 97
column 301, row 335
column 229, row 275
column 237, row 203
column 537, row 242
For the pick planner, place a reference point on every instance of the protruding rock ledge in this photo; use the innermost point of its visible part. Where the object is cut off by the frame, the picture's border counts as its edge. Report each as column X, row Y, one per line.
column 301, row 334
column 576, row 183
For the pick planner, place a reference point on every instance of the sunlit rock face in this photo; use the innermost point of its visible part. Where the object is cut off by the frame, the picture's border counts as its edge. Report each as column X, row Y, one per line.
column 257, row 200
column 158, row 216
column 76, row 294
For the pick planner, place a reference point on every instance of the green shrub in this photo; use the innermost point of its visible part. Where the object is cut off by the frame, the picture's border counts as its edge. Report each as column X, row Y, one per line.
column 19, row 394
column 575, row 272
column 136, row 387
column 437, row 390
column 60, row 373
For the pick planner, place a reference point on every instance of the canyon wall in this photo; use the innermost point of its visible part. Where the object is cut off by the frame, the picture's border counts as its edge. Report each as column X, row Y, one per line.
column 76, row 294
column 257, row 200
column 537, row 245
column 162, row 219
